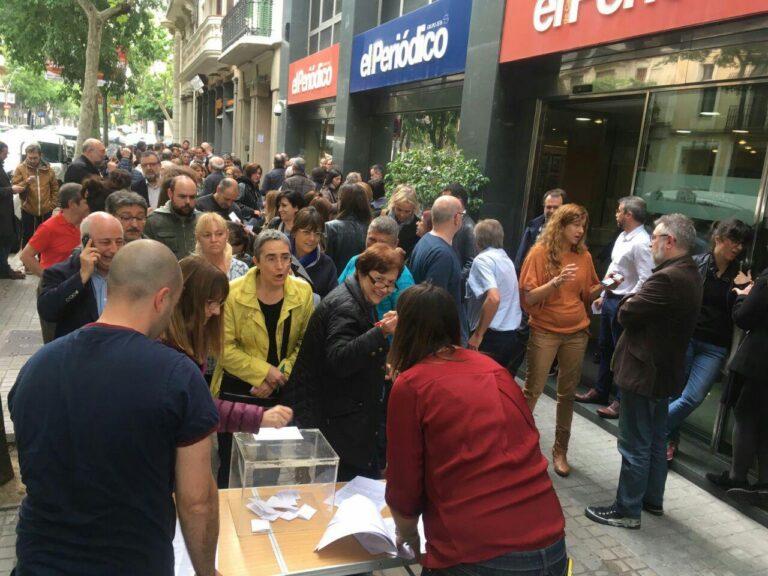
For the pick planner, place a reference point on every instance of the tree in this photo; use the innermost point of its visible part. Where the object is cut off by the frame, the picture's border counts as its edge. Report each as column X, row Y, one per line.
column 83, row 38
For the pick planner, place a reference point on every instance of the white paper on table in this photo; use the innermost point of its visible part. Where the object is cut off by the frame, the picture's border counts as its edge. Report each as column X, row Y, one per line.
column 358, row 516
column 285, row 433
column 282, row 502
column 306, row 512
column 289, row 494
column 182, row 563
column 371, row 489
column 259, row 526
column 257, row 509
column 289, row 515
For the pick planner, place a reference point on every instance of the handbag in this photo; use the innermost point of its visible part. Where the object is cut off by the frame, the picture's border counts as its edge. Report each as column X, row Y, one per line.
column 236, row 389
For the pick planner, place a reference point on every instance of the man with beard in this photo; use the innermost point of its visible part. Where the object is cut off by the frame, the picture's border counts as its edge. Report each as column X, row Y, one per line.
column 174, row 223
column 149, row 186
column 649, row 367
column 35, row 182
column 105, row 410
column 74, row 292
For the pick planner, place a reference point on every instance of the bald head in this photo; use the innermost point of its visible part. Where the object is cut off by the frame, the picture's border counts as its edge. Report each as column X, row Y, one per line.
column 141, row 270
column 216, row 163
column 444, row 209
column 94, row 150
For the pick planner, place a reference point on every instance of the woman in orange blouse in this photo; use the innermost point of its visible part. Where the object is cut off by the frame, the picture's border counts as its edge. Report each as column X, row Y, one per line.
column 558, row 283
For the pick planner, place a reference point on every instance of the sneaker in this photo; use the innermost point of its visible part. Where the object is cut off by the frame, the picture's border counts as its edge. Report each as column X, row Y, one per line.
column 753, row 495
column 723, row 480
column 655, row 510
column 671, row 449
column 610, row 516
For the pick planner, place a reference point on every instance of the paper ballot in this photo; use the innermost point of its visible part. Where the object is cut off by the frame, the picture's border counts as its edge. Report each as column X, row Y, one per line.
column 371, row 489
column 358, row 516
column 285, row 433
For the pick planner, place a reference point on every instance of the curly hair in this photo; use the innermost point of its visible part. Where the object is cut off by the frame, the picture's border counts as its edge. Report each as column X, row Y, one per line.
column 551, row 238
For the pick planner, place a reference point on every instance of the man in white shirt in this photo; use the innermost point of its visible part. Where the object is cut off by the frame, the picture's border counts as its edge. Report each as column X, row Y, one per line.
column 494, row 298
column 631, row 264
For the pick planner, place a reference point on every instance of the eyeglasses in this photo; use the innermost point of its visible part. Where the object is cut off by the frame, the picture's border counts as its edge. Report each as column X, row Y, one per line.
column 462, row 213
column 149, row 164
column 654, row 237
column 381, row 284
column 127, row 219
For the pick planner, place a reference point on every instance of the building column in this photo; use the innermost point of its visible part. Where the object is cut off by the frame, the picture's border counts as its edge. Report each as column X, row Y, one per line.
column 175, row 121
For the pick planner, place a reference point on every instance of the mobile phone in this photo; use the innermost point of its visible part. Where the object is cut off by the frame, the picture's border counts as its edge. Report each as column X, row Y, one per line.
column 608, row 282
column 86, row 237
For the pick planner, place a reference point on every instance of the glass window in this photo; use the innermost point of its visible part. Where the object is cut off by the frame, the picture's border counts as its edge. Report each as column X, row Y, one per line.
column 336, row 32
column 390, row 9
column 325, row 38
column 411, row 5
column 327, row 10
column 312, row 44
column 338, row 7
column 704, row 152
column 314, row 18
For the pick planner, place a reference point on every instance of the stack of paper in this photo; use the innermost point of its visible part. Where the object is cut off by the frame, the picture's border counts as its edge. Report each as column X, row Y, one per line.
column 360, row 485
column 358, row 516
column 282, row 505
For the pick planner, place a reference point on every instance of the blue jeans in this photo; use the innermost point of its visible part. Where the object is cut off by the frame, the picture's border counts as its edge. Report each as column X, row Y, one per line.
column 703, row 364
column 642, row 445
column 610, row 330
column 549, row 561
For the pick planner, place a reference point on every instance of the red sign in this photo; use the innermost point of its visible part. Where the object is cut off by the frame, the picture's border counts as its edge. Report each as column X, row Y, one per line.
column 537, row 27
column 314, row 77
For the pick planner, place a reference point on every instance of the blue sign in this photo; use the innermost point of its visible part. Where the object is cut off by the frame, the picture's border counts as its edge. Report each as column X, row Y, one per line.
column 426, row 43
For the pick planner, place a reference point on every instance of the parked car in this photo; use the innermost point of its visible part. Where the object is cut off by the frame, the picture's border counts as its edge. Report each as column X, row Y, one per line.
column 54, row 148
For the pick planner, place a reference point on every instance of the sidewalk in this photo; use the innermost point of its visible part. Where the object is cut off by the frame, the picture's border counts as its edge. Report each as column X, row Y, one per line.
column 698, row 536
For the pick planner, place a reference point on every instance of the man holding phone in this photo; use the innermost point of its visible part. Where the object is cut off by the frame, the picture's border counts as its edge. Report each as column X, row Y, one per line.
column 631, row 264
column 74, row 292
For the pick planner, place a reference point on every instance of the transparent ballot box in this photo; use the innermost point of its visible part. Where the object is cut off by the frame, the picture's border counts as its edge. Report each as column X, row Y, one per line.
column 299, row 471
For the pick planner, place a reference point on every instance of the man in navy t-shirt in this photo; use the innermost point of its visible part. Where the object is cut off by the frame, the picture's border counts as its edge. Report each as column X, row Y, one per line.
column 109, row 425
column 434, row 260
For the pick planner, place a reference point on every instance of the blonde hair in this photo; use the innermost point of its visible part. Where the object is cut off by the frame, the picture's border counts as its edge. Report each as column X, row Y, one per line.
column 404, row 193
column 215, row 221
column 270, row 206
column 551, row 238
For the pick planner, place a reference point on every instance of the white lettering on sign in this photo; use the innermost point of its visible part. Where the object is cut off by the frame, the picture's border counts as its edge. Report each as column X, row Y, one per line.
column 552, row 13
column 429, row 43
column 317, row 76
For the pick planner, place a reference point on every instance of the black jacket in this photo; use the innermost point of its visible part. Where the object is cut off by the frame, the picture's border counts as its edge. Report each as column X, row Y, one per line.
column 321, row 274
column 141, row 188
column 64, row 299
column 7, row 216
column 79, row 170
column 530, row 235
column 273, row 179
column 211, row 182
column 337, row 383
column 208, row 203
column 344, row 239
column 751, row 313
column 298, row 183
column 406, row 237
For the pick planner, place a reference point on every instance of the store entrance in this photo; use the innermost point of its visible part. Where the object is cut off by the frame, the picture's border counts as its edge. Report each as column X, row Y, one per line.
column 588, row 147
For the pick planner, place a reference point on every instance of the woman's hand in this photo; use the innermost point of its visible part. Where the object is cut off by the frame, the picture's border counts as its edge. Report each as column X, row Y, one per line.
column 474, row 341
column 744, row 291
column 743, row 279
column 388, row 323
column 262, row 391
column 275, row 378
column 276, row 417
column 567, row 274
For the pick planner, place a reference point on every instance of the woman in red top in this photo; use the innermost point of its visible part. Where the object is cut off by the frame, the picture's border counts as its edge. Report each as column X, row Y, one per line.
column 558, row 283
column 463, row 451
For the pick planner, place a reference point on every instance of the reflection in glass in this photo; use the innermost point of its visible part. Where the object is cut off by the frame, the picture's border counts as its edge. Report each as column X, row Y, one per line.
column 704, row 152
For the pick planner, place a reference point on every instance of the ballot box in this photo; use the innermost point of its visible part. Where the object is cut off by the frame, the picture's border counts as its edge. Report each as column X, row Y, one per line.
column 283, row 479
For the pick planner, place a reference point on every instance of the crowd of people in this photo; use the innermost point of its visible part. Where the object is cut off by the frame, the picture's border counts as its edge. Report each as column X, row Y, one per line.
column 185, row 297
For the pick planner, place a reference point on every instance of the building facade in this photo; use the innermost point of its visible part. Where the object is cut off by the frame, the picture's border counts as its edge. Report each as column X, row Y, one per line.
column 226, row 71
column 610, row 98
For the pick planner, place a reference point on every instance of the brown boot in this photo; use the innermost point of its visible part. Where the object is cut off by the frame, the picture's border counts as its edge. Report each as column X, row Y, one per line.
column 559, row 452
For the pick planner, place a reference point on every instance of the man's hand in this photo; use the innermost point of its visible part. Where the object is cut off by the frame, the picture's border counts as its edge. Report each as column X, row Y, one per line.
column 88, row 258
column 617, row 280
column 598, row 304
column 474, row 341
column 276, row 417
column 743, row 279
column 743, row 291
column 17, row 189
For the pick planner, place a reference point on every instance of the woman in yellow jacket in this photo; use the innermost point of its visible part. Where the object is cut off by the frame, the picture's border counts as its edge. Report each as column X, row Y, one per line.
column 265, row 317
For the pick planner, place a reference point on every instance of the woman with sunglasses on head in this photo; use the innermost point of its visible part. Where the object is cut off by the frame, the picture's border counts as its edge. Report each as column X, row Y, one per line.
column 338, row 382
column 463, row 452
column 309, row 260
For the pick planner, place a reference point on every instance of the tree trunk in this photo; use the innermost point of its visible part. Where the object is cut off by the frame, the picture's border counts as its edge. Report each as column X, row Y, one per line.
column 168, row 119
column 88, row 101
column 105, row 114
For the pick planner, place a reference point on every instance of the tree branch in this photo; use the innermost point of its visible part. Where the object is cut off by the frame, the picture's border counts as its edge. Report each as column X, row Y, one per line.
column 122, row 8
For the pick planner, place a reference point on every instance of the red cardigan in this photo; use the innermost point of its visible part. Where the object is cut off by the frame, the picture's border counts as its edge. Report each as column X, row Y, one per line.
column 463, row 450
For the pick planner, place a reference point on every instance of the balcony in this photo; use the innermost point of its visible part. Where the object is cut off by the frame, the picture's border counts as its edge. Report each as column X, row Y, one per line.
column 200, row 53
column 248, row 30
